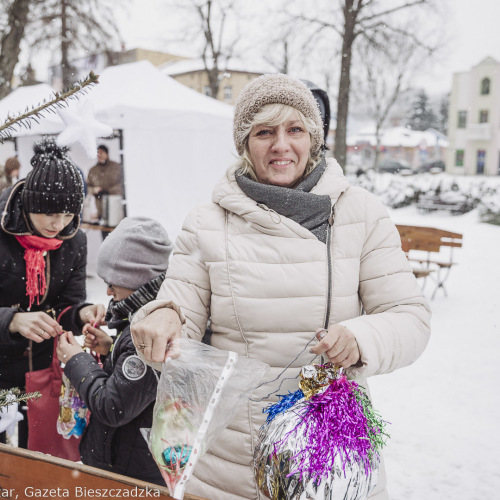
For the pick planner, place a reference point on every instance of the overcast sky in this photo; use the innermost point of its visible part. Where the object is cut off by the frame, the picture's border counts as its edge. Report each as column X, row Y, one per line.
column 472, row 28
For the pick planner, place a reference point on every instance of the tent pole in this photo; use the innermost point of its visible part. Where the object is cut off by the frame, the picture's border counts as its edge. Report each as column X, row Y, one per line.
column 120, row 137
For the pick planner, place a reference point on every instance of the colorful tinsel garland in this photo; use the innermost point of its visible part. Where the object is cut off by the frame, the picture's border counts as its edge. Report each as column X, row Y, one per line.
column 327, row 425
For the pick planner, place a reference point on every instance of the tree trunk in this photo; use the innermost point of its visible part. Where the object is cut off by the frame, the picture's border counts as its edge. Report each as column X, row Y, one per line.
column 10, row 43
column 214, row 79
column 67, row 72
column 348, row 38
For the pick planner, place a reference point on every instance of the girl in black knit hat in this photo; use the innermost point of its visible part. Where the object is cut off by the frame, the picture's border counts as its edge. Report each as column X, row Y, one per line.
column 42, row 266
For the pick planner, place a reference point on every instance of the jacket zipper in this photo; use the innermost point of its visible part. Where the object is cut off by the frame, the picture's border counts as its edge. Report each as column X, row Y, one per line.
column 329, row 263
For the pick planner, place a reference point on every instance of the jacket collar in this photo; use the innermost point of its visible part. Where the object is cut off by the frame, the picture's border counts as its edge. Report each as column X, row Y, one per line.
column 230, row 196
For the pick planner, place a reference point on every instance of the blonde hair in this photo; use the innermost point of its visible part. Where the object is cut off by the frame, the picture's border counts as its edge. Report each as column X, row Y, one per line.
column 271, row 115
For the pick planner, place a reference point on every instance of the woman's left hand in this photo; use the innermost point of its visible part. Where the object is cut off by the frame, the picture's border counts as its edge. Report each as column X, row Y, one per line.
column 339, row 345
column 67, row 347
column 93, row 314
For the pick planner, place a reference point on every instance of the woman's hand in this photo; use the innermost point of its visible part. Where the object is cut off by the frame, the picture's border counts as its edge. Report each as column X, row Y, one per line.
column 67, row 347
column 339, row 345
column 37, row 326
column 93, row 314
column 97, row 340
column 154, row 335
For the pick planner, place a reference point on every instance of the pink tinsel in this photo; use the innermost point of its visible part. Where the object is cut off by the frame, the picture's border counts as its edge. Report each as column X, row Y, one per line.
column 333, row 423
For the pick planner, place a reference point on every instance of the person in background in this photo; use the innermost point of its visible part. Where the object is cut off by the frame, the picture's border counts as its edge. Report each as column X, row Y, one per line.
column 42, row 266
column 121, row 394
column 10, row 173
column 104, row 178
column 286, row 253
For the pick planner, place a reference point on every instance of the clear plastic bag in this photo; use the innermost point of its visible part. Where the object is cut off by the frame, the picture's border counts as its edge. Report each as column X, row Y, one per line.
column 72, row 418
column 198, row 394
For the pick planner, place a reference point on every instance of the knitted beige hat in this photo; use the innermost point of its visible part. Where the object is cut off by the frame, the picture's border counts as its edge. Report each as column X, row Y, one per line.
column 273, row 89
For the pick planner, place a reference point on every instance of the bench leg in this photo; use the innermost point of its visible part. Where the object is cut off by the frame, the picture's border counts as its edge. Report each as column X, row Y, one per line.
column 440, row 281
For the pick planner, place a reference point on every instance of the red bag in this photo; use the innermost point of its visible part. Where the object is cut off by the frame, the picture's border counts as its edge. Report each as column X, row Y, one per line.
column 44, row 412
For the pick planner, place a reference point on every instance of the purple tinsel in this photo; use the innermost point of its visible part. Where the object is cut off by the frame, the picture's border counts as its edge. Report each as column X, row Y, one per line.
column 77, row 403
column 333, row 424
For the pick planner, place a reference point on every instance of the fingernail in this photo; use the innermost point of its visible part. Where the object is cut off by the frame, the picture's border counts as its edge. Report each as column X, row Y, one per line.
column 321, row 332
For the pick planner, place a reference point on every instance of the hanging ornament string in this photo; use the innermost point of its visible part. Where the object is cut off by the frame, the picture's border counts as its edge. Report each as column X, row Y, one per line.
column 267, row 396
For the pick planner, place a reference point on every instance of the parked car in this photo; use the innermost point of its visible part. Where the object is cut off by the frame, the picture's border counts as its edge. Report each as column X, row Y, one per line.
column 433, row 167
column 395, row 167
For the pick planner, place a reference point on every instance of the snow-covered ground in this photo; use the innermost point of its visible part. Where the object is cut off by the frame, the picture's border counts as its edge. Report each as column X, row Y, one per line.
column 445, row 409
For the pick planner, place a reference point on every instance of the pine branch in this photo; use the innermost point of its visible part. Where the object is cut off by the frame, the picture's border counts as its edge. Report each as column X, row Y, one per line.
column 16, row 396
column 35, row 114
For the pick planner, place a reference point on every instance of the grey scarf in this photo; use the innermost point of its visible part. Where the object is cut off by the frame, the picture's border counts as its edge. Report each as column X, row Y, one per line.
column 299, row 204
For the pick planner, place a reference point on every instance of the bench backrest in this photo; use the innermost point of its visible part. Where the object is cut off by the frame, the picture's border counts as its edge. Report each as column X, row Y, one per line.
column 427, row 239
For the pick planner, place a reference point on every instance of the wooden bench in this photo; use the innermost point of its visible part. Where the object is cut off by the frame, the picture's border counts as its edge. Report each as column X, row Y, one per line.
column 423, row 245
column 27, row 474
column 432, row 205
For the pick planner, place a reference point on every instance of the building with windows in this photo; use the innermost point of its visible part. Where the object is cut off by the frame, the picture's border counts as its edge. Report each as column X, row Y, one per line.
column 474, row 121
column 191, row 72
column 414, row 148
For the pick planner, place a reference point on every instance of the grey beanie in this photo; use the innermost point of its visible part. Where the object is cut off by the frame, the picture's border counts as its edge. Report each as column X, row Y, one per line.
column 135, row 252
column 275, row 89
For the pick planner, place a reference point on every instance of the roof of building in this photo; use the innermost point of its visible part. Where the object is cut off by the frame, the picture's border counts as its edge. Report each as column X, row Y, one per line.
column 175, row 68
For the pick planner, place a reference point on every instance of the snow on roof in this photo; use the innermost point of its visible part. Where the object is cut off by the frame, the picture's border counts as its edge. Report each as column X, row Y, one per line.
column 399, row 137
column 137, row 85
column 142, row 85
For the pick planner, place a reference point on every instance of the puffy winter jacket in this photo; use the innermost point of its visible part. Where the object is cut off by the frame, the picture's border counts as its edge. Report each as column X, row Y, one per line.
column 121, row 403
column 268, row 283
column 65, row 275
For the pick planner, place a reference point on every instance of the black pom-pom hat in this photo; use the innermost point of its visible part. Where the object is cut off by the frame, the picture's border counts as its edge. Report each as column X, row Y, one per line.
column 54, row 185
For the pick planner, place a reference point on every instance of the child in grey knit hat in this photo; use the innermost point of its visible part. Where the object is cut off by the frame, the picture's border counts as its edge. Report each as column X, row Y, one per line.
column 121, row 393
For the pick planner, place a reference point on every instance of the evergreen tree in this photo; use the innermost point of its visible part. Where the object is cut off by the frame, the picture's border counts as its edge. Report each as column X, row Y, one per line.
column 444, row 105
column 14, row 395
column 421, row 115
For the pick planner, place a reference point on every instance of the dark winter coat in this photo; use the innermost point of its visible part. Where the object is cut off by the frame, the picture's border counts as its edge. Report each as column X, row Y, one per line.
column 65, row 276
column 107, row 176
column 121, row 397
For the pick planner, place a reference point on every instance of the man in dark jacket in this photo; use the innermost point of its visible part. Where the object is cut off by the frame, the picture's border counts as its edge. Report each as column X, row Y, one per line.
column 121, row 393
column 105, row 178
column 42, row 267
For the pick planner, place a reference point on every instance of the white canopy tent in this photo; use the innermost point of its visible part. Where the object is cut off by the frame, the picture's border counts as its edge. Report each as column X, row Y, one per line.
column 175, row 142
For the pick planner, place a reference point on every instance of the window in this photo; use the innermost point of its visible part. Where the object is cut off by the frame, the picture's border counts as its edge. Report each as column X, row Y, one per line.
column 483, row 116
column 485, row 86
column 459, row 158
column 207, row 91
column 462, row 119
column 228, row 93
column 481, row 160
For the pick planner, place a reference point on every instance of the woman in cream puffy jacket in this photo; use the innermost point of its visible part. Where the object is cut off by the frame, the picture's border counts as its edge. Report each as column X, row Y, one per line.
column 286, row 247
